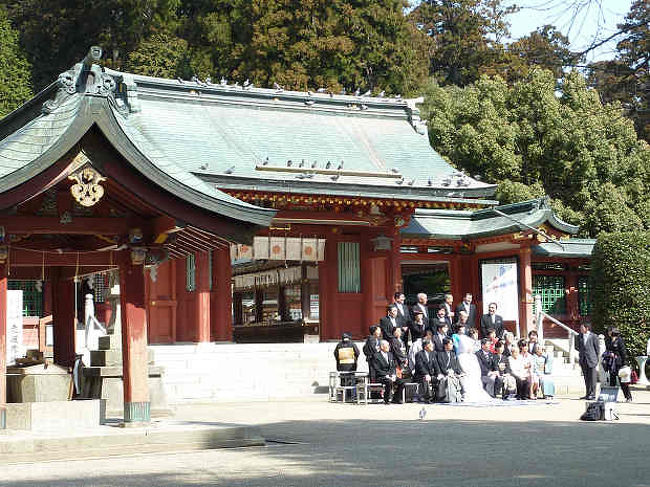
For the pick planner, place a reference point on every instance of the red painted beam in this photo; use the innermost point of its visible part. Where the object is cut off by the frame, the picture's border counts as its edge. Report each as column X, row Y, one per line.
column 78, row 225
column 3, row 335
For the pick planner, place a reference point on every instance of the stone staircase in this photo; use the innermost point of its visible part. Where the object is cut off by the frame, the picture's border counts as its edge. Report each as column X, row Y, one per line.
column 567, row 377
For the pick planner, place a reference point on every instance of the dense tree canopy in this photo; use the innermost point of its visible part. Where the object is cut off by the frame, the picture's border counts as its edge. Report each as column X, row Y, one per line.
column 15, row 80
column 537, row 136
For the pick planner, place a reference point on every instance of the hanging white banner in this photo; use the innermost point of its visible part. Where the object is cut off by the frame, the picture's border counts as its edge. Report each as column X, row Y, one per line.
column 499, row 285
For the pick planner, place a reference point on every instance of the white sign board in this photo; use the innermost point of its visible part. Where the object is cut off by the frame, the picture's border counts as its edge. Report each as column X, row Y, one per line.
column 499, row 285
column 14, row 326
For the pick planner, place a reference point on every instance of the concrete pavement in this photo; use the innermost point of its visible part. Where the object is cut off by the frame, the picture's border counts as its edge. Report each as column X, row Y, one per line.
column 314, row 443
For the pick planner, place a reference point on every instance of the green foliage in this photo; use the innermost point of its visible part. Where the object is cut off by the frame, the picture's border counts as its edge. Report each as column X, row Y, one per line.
column 538, row 134
column 620, row 275
column 15, row 86
column 309, row 44
column 161, row 55
column 465, row 36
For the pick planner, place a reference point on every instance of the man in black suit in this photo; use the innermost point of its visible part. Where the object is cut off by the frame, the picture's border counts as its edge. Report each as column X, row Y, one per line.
column 588, row 349
column 492, row 320
column 489, row 368
column 468, row 307
column 385, row 372
column 389, row 322
column 440, row 319
column 439, row 336
column 449, row 373
column 426, row 371
column 371, row 347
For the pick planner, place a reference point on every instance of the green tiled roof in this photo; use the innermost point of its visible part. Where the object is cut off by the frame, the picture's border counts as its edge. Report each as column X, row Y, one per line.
column 268, row 140
column 35, row 139
column 500, row 220
column 572, row 247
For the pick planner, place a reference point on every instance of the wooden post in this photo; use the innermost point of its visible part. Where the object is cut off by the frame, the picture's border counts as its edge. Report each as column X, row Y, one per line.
column 134, row 341
column 221, row 314
column 394, row 264
column 3, row 343
column 202, row 297
column 63, row 318
column 526, row 291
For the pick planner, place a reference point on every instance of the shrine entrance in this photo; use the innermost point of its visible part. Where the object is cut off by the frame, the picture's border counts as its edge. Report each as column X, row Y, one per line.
column 78, row 196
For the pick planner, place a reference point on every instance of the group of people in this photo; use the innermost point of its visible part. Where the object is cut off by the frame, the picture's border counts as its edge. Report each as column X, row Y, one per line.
column 442, row 353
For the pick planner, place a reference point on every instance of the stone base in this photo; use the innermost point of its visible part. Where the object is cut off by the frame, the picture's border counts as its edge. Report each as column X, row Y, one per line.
column 37, row 383
column 106, row 383
column 55, row 415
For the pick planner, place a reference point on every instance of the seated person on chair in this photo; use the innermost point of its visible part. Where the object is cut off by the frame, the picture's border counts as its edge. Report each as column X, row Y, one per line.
column 509, row 384
column 426, row 371
column 489, row 369
column 384, row 366
column 543, row 368
column 346, row 354
column 520, row 370
column 449, row 373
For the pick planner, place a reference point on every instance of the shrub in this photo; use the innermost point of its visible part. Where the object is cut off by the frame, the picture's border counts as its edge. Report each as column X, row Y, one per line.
column 620, row 277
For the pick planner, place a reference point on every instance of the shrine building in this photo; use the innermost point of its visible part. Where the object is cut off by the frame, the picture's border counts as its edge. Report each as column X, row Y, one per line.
column 239, row 214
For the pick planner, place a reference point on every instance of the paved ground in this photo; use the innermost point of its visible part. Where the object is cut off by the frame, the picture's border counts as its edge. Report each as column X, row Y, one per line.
column 313, row 443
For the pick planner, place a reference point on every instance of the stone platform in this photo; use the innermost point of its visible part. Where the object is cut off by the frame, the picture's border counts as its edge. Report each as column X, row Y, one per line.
column 113, row 440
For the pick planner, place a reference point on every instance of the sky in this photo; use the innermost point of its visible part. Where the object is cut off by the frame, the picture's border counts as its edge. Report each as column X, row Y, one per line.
column 581, row 20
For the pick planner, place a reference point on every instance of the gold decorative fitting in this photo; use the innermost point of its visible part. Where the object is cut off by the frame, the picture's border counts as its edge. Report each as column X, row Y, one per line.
column 87, row 191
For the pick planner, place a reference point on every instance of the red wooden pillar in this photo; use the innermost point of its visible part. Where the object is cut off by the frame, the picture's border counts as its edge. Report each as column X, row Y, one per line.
column 367, row 280
column 134, row 342
column 526, row 291
column 3, row 343
column 456, row 283
column 202, row 297
column 327, row 290
column 394, row 264
column 221, row 302
column 63, row 319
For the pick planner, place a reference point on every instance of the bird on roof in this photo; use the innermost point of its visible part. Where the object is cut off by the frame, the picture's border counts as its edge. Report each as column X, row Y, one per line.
column 400, row 180
column 204, row 166
column 314, row 164
column 335, row 177
column 340, row 166
column 446, row 181
column 342, row 92
column 302, row 163
column 367, row 93
column 398, row 97
column 363, row 106
column 230, row 170
column 247, row 82
column 381, row 94
column 208, row 80
column 422, row 414
column 180, row 80
column 410, row 183
column 328, row 165
column 277, row 87
column 310, row 93
column 321, row 90
column 289, row 163
column 357, row 92
column 430, row 182
column 195, row 79
column 223, row 81
column 265, row 162
column 394, row 170
column 310, row 103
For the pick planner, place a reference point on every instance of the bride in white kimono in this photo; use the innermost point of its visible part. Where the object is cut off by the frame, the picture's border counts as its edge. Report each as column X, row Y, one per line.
column 471, row 383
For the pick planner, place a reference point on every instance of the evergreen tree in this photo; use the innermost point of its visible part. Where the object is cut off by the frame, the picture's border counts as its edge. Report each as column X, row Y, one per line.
column 537, row 134
column 15, row 85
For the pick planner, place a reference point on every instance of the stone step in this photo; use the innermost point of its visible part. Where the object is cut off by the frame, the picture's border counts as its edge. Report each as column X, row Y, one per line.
column 112, row 358
column 109, row 342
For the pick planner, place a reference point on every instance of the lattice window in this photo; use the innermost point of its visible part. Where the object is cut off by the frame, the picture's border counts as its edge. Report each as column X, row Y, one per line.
column 552, row 291
column 584, row 295
column 32, row 296
column 190, row 272
column 349, row 267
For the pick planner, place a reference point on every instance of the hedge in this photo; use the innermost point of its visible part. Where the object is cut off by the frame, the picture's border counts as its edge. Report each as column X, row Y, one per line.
column 620, row 281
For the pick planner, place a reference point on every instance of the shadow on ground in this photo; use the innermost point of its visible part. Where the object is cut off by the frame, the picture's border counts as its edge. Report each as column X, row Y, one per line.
column 404, row 453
